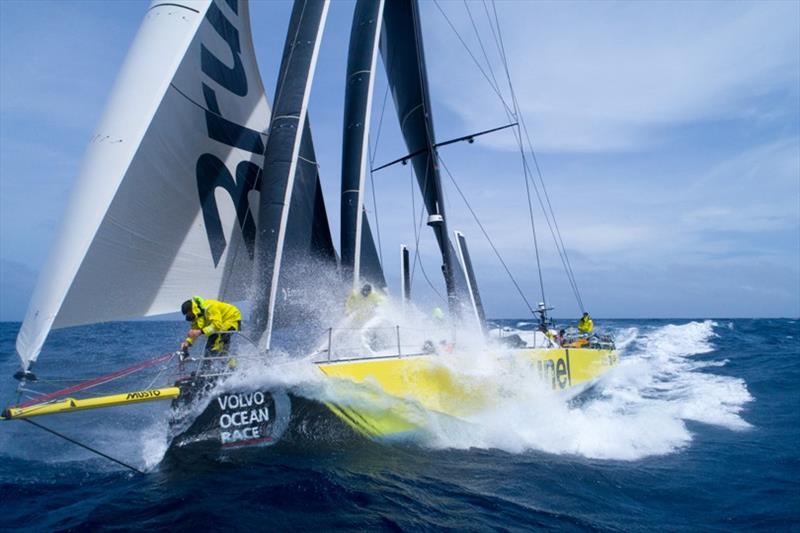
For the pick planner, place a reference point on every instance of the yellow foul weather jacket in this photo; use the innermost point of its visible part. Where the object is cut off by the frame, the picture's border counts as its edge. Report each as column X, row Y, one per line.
column 212, row 316
column 363, row 307
column 585, row 324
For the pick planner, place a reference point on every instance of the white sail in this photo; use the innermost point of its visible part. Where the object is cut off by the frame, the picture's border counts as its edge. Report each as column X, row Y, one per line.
column 160, row 210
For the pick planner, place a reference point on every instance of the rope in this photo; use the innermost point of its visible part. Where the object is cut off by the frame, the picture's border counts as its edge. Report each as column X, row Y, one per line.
column 107, row 378
column 84, row 446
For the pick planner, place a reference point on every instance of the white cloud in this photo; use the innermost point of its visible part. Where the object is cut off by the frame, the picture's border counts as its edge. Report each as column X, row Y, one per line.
column 605, row 76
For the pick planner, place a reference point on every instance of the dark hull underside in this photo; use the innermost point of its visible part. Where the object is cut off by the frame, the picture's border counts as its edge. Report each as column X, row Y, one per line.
column 260, row 418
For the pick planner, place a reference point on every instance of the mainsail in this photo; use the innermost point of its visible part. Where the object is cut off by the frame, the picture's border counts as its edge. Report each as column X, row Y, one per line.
column 404, row 58
column 288, row 183
column 360, row 259
column 161, row 208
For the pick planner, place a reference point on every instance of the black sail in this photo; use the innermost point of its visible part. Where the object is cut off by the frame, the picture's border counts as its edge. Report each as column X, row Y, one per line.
column 404, row 58
column 360, row 260
column 293, row 239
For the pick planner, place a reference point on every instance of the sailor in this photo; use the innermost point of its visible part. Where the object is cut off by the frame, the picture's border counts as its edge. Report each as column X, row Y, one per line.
column 561, row 337
column 211, row 318
column 362, row 303
column 585, row 324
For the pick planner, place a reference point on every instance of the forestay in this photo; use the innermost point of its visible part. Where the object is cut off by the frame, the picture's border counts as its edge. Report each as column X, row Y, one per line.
column 161, row 208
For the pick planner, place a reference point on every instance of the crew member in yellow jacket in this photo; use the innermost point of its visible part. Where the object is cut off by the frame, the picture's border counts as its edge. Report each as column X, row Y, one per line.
column 212, row 319
column 361, row 304
column 585, row 324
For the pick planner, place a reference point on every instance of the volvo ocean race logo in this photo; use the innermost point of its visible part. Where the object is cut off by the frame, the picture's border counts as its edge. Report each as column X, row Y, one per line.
column 249, row 418
column 211, row 171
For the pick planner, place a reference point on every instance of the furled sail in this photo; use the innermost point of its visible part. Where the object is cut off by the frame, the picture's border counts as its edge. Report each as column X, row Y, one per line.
column 291, row 200
column 360, row 260
column 404, row 58
column 161, row 208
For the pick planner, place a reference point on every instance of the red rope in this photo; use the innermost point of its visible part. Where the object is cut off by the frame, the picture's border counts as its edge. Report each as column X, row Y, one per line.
column 98, row 380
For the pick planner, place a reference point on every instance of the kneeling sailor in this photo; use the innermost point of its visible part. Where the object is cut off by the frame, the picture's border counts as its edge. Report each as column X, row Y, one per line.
column 213, row 319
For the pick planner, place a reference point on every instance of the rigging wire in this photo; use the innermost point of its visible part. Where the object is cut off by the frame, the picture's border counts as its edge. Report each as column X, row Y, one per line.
column 374, row 149
column 514, row 112
column 557, row 233
column 438, row 194
column 480, row 43
column 511, row 114
column 418, row 233
column 496, row 89
column 375, row 208
column 485, row 234
column 84, row 446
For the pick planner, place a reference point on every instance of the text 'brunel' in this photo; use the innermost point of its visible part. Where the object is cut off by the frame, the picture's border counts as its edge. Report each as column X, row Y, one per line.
column 211, row 172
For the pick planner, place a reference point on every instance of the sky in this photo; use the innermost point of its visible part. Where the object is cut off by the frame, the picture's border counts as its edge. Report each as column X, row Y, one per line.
column 667, row 133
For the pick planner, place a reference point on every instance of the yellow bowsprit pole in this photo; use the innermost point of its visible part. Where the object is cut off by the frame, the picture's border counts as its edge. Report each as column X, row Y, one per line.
column 68, row 405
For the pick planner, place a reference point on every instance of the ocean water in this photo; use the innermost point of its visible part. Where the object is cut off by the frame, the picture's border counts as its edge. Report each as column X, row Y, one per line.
column 698, row 428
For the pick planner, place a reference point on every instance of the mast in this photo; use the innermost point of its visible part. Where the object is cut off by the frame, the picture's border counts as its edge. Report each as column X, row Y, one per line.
column 403, row 54
column 359, row 256
column 287, row 130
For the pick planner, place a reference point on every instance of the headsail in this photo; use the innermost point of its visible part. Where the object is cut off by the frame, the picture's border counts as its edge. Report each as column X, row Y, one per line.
column 404, row 57
column 160, row 209
column 284, row 175
column 359, row 256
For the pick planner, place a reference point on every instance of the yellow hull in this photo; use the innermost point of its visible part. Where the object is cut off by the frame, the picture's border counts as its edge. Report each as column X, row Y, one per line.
column 424, row 383
column 391, row 397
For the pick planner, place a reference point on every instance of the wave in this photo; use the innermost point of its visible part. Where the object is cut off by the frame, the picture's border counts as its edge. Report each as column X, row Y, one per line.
column 639, row 409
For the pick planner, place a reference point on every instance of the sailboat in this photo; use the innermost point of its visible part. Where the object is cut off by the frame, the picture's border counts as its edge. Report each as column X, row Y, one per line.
column 193, row 185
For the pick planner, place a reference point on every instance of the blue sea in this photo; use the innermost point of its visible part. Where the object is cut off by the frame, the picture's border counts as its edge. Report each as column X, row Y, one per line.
column 698, row 428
